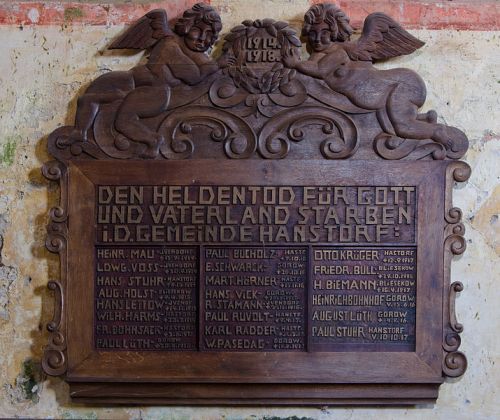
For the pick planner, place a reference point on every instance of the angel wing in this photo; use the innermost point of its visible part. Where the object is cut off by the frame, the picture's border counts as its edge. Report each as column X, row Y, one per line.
column 383, row 37
column 146, row 32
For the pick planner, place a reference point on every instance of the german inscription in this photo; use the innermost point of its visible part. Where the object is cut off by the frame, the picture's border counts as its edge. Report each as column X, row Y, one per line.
column 256, row 214
column 293, row 283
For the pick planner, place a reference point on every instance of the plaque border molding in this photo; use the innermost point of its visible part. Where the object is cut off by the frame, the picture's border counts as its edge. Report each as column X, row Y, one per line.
column 55, row 360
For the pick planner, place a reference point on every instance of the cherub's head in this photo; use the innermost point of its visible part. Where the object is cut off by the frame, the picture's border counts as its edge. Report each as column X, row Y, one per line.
column 199, row 26
column 324, row 24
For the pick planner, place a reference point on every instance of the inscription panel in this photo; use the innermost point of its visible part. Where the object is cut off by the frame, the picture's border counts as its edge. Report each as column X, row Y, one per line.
column 255, row 268
column 255, row 214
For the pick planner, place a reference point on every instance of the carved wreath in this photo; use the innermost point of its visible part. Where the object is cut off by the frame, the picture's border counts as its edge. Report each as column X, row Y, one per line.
column 243, row 75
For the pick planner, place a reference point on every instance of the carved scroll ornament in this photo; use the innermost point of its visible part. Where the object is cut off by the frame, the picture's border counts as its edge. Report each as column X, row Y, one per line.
column 259, row 75
column 54, row 357
column 454, row 361
column 340, row 136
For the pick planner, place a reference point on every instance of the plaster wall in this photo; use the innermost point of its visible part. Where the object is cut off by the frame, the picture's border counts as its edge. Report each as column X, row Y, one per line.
column 44, row 65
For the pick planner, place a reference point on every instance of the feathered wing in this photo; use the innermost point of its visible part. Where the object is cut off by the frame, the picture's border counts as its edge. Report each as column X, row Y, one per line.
column 146, row 32
column 383, row 37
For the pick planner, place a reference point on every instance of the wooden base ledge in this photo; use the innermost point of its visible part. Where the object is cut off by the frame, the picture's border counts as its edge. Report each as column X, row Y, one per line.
column 253, row 394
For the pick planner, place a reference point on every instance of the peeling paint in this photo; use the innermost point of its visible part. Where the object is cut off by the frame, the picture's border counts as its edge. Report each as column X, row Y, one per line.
column 7, row 276
column 286, row 418
column 30, row 380
column 27, row 384
column 80, row 415
column 486, row 220
column 8, row 152
column 71, row 13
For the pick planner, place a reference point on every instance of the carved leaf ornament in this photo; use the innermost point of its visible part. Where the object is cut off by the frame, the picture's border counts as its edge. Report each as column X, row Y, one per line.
column 245, row 45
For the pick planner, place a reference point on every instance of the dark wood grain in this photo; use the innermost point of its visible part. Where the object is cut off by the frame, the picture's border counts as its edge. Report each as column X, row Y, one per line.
column 256, row 117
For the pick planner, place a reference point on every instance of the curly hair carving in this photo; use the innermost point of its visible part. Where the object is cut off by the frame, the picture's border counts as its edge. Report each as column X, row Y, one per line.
column 336, row 19
column 200, row 12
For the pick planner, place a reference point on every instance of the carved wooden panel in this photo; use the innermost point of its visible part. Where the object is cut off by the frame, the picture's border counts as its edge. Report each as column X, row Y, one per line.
column 256, row 229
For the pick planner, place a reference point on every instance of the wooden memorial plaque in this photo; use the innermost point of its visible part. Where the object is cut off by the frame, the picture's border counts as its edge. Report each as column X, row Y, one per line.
column 256, row 229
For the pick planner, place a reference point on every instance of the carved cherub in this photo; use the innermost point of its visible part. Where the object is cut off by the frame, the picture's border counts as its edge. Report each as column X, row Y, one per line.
column 347, row 68
column 176, row 57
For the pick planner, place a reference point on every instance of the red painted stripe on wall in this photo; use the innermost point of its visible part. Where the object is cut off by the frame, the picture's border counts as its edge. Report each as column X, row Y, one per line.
column 476, row 15
column 76, row 13
column 413, row 14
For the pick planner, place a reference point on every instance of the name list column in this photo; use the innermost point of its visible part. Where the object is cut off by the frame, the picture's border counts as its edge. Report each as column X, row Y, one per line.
column 145, row 298
column 253, row 299
column 363, row 299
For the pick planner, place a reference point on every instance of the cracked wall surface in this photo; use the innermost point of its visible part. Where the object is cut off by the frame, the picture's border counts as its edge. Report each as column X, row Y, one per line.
column 43, row 69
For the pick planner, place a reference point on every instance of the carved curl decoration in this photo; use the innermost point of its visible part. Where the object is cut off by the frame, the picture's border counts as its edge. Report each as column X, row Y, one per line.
column 66, row 148
column 455, row 364
column 53, row 170
column 54, row 325
column 454, row 289
column 452, row 342
column 395, row 148
column 54, row 358
column 57, row 229
column 454, row 361
column 455, row 242
column 225, row 94
column 238, row 139
column 341, row 139
column 455, row 172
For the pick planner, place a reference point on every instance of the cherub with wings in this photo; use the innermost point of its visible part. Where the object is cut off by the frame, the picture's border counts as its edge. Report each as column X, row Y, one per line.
column 176, row 58
column 347, row 68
